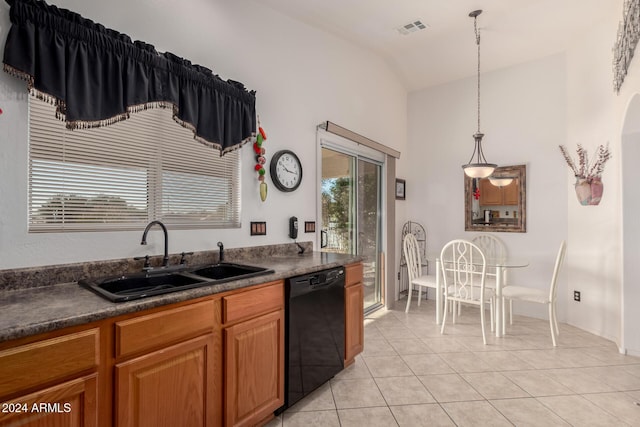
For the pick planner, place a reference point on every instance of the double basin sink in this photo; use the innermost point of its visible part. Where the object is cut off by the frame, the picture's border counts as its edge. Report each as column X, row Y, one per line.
column 140, row 285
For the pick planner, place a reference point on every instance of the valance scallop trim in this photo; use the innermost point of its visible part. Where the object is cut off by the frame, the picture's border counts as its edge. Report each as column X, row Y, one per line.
column 96, row 76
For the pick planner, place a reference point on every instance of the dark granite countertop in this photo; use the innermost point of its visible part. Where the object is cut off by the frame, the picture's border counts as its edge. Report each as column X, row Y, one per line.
column 30, row 311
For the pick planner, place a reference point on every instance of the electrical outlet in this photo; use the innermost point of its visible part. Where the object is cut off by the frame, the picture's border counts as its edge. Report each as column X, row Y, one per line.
column 576, row 296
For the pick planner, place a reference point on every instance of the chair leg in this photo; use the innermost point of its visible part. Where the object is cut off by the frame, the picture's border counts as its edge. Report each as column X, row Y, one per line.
column 439, row 297
column 503, row 319
column 406, row 310
column 419, row 295
column 444, row 315
column 455, row 305
column 492, row 313
column 551, row 325
column 484, row 337
column 511, row 312
column 555, row 319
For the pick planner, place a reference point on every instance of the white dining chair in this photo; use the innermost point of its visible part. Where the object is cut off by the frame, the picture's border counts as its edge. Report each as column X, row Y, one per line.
column 464, row 270
column 492, row 248
column 414, row 268
column 540, row 296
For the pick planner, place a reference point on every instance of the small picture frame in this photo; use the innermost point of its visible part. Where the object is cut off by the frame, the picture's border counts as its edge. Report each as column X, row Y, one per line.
column 401, row 189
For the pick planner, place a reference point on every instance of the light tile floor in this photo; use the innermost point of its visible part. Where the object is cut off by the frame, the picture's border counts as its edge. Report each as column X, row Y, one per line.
column 411, row 375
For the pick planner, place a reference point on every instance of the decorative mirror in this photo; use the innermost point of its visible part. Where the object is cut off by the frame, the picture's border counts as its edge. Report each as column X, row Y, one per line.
column 497, row 203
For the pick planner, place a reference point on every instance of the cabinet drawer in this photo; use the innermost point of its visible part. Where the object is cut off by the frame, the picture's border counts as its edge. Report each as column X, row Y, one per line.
column 247, row 304
column 44, row 361
column 354, row 274
column 162, row 328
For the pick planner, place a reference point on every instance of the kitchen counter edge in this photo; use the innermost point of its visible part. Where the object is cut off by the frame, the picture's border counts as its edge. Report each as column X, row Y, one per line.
column 37, row 310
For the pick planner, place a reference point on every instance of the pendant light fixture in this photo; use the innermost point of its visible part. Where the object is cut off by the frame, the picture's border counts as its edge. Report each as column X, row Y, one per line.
column 500, row 181
column 478, row 167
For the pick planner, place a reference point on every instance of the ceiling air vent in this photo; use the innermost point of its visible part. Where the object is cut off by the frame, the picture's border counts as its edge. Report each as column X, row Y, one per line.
column 411, row 27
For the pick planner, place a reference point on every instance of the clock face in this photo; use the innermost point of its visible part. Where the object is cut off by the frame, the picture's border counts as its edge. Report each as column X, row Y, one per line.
column 286, row 170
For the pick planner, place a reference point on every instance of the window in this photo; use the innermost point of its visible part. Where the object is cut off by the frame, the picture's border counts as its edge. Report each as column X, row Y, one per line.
column 122, row 176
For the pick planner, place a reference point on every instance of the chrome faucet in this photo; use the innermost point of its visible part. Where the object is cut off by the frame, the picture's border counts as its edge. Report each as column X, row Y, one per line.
column 165, row 260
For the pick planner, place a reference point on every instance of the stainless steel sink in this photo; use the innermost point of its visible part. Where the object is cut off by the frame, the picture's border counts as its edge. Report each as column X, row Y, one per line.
column 140, row 285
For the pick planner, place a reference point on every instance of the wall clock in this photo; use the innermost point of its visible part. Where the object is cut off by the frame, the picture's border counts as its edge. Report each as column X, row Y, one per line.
column 286, row 170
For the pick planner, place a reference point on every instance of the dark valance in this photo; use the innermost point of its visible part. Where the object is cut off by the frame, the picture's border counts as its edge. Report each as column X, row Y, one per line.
column 96, row 76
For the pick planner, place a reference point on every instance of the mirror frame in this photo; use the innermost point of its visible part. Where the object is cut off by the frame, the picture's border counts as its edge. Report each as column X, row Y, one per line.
column 517, row 171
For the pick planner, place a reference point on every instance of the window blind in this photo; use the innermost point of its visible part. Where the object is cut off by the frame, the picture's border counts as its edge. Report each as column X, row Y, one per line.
column 122, row 176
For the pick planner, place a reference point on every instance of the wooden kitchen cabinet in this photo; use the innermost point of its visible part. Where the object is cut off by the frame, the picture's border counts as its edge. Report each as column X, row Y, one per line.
column 214, row 361
column 71, row 403
column 254, row 354
column 51, row 381
column 168, row 367
column 170, row 387
column 510, row 193
column 490, row 195
column 354, row 313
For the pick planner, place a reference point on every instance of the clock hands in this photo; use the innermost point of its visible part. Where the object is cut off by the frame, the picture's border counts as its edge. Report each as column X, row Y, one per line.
column 285, row 168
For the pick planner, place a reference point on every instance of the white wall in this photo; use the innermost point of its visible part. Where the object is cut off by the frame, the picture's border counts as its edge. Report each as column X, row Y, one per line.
column 302, row 77
column 631, row 239
column 597, row 116
column 523, row 116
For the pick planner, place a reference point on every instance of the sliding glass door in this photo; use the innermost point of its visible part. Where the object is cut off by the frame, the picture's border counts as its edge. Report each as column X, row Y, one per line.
column 352, row 214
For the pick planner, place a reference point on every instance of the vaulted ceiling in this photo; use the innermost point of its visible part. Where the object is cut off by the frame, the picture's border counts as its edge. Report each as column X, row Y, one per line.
column 512, row 31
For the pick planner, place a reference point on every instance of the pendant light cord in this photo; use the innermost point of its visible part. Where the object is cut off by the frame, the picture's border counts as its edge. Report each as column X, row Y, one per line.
column 475, row 28
column 481, row 168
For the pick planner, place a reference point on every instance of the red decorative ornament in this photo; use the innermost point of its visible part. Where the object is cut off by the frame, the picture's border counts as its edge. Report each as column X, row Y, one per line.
column 476, row 194
column 261, row 160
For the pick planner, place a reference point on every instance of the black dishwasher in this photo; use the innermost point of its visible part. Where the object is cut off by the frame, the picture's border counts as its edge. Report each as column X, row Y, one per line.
column 314, row 332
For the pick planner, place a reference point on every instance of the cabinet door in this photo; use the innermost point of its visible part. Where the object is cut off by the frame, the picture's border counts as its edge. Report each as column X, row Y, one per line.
column 353, row 322
column 72, row 403
column 490, row 195
column 254, row 371
column 510, row 193
column 169, row 387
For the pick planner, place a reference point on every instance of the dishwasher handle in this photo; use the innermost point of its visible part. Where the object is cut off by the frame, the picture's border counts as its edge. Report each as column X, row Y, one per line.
column 301, row 285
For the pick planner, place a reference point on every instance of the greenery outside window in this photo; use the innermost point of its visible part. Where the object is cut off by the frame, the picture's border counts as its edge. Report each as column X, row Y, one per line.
column 122, row 176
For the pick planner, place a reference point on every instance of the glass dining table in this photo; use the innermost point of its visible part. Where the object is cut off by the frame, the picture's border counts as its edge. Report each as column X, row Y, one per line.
column 497, row 266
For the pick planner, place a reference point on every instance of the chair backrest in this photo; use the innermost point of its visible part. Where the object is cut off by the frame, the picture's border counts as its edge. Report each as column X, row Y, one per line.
column 412, row 256
column 556, row 270
column 464, row 268
column 491, row 246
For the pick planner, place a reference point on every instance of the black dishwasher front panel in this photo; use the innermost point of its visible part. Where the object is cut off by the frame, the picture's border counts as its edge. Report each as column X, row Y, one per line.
column 314, row 331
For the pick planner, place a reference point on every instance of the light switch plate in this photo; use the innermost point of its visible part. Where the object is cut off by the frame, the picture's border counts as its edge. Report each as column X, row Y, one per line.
column 258, row 228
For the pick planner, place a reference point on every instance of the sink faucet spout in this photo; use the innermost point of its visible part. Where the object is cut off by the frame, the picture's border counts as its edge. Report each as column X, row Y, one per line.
column 165, row 259
column 221, row 246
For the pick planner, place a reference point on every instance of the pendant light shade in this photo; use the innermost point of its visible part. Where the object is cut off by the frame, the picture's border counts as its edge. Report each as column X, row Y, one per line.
column 479, row 170
column 500, row 181
column 478, row 167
